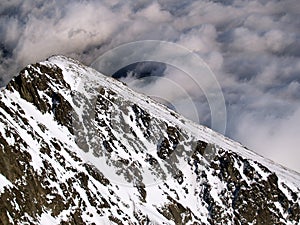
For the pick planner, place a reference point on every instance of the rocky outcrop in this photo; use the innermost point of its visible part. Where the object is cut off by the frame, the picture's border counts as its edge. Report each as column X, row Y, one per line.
column 55, row 165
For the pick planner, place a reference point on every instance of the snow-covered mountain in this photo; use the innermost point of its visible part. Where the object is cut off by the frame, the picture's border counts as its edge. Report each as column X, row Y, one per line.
column 78, row 147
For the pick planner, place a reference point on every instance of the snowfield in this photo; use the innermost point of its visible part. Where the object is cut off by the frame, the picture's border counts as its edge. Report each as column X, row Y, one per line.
column 78, row 147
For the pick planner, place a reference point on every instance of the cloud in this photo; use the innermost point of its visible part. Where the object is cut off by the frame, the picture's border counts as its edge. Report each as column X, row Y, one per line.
column 154, row 13
column 251, row 46
column 275, row 138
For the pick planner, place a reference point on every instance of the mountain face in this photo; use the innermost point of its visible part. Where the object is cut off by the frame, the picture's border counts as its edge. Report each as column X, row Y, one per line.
column 77, row 147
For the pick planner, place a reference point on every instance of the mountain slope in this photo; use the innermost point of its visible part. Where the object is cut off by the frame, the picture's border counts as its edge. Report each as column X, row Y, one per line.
column 81, row 148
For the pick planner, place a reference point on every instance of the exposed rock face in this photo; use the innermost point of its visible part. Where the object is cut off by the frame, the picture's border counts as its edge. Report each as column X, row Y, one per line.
column 69, row 155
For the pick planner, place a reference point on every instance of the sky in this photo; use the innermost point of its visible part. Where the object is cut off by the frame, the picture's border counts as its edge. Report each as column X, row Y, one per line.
column 252, row 47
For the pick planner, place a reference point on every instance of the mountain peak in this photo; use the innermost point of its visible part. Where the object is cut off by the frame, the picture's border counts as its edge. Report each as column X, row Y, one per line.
column 90, row 150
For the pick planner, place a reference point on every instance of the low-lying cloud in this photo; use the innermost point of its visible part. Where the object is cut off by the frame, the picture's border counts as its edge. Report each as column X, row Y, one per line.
column 253, row 48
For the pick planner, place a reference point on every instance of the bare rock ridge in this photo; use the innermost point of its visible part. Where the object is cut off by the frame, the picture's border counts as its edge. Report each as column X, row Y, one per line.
column 77, row 147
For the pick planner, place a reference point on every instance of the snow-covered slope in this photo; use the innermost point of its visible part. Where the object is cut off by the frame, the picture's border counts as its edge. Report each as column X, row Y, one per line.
column 78, row 147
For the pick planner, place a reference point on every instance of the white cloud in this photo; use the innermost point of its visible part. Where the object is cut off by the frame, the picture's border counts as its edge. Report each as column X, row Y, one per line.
column 202, row 39
column 252, row 46
column 155, row 14
column 274, row 138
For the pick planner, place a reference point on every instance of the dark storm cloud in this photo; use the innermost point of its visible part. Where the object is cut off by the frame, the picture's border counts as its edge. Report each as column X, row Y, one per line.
column 253, row 48
column 141, row 69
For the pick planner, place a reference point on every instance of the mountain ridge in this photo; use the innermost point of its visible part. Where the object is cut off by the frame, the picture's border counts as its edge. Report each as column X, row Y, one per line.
column 46, row 128
column 197, row 126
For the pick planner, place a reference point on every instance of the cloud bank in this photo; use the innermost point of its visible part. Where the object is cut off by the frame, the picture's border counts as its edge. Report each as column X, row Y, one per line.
column 252, row 47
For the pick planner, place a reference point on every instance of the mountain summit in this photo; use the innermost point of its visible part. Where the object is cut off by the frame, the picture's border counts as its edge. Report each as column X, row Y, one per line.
column 77, row 147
